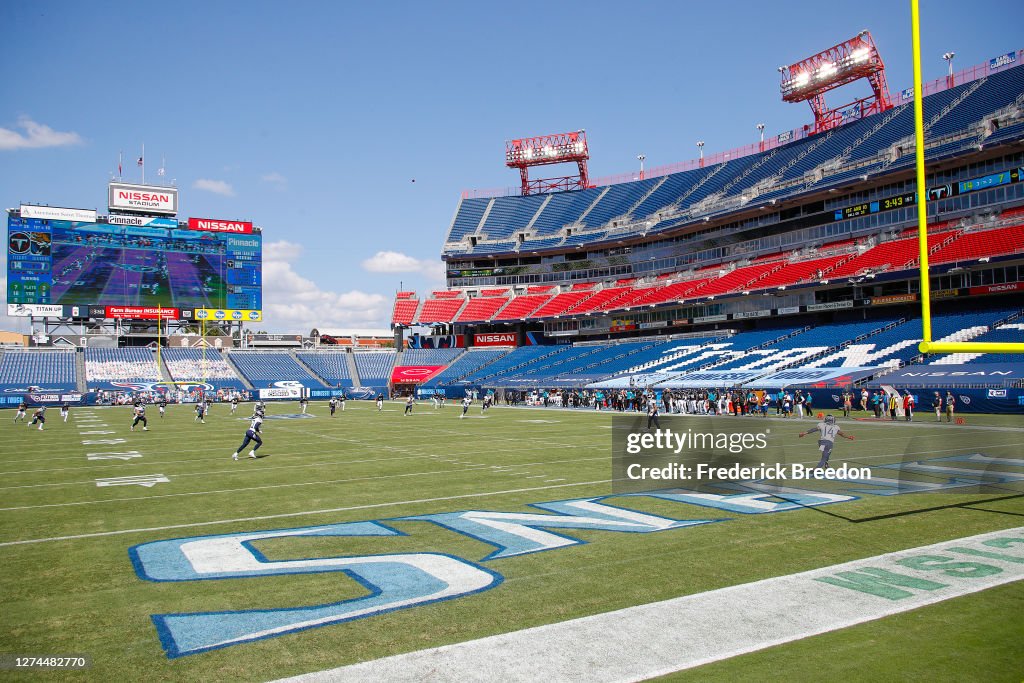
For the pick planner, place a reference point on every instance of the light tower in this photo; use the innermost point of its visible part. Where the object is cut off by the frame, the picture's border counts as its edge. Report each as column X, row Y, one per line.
column 545, row 150
column 640, row 158
column 949, row 61
column 808, row 80
column 760, row 129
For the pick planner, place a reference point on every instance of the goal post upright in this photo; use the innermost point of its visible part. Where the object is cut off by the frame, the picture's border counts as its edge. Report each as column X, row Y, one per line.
column 927, row 345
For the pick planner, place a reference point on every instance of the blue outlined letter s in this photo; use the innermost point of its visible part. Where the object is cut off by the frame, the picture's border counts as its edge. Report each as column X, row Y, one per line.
column 394, row 582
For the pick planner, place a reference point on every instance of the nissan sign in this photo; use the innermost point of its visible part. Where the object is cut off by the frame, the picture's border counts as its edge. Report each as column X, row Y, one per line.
column 211, row 225
column 143, row 198
column 495, row 339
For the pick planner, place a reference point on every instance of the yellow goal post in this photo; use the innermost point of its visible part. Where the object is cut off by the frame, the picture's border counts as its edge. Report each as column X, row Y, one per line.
column 929, row 346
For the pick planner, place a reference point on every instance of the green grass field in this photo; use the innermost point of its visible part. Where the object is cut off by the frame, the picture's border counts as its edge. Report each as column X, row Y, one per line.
column 69, row 585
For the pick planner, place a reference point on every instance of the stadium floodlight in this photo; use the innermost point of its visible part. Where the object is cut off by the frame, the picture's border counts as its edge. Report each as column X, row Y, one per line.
column 641, row 158
column 549, row 149
column 927, row 345
column 809, row 79
column 700, row 149
column 949, row 62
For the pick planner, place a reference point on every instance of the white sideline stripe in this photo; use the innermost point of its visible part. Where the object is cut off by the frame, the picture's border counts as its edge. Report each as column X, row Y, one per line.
column 303, row 513
column 646, row 641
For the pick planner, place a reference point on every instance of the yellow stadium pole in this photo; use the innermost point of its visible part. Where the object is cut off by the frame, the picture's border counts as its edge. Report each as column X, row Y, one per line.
column 159, row 368
column 928, row 346
column 922, row 190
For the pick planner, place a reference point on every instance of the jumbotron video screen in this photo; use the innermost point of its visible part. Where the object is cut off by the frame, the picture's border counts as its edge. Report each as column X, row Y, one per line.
column 158, row 264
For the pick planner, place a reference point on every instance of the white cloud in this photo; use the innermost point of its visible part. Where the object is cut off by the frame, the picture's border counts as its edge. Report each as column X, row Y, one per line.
column 293, row 303
column 397, row 262
column 215, row 186
column 275, row 178
column 36, row 136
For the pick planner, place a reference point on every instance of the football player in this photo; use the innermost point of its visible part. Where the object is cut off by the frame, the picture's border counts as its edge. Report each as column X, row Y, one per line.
column 251, row 434
column 39, row 417
column 827, row 430
column 139, row 411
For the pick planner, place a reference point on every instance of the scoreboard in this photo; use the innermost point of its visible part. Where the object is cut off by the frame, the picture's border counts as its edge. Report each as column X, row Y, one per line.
column 135, row 261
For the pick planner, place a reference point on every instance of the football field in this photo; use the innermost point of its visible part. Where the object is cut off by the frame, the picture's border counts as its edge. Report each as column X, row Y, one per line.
column 370, row 535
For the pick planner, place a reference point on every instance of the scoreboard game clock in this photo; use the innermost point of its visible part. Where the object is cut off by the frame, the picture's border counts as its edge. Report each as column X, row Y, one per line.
column 935, row 193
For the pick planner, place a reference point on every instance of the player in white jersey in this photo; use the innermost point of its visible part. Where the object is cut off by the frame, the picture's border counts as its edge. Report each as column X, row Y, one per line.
column 466, row 402
column 139, row 411
column 251, row 434
column 39, row 417
column 827, row 430
column 20, row 415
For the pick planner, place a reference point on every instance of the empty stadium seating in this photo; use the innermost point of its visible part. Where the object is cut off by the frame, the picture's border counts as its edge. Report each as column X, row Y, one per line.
column 466, row 364
column 374, row 367
column 521, row 307
column 130, row 365
column 861, row 147
column 440, row 310
column 201, row 365
column 268, row 368
column 331, row 366
column 480, row 309
column 406, row 305
column 48, row 370
column 428, row 356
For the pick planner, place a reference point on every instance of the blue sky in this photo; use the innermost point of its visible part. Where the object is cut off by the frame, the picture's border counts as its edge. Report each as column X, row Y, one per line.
column 313, row 119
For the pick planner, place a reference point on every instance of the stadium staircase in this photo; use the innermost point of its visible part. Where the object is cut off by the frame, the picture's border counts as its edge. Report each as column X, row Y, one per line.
column 353, row 371
column 842, row 161
column 313, row 373
column 474, row 370
column 164, row 371
column 241, row 376
column 514, row 368
column 594, row 203
column 80, row 381
column 832, row 349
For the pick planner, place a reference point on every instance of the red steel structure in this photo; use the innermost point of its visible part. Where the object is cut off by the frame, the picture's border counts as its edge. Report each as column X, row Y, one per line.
column 809, row 79
column 549, row 149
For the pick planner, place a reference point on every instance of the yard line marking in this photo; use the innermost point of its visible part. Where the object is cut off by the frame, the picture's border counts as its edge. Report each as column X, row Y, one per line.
column 147, row 480
column 687, row 632
column 127, row 455
column 235, row 468
column 304, row 513
column 100, row 431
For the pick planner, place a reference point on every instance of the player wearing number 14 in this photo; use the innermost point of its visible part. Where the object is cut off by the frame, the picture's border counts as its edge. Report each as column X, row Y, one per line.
column 828, row 431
